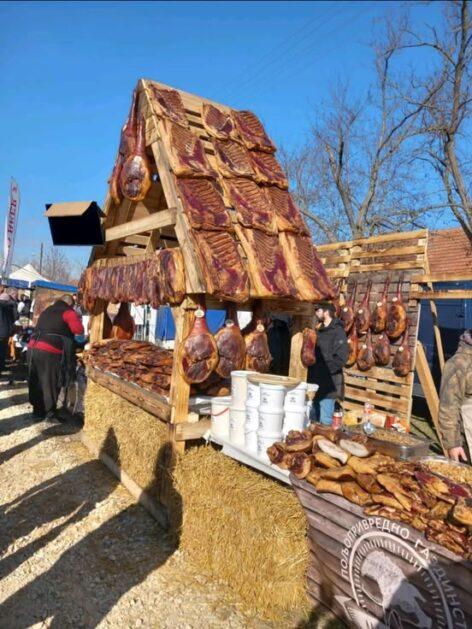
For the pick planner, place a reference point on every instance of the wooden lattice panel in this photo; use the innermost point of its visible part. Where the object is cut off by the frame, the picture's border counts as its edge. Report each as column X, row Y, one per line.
column 395, row 256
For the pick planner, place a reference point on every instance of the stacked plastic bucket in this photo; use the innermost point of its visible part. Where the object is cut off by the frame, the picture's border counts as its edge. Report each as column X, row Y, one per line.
column 237, row 413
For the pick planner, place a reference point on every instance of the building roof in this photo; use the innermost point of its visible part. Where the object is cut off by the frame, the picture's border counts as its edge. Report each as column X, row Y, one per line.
column 449, row 252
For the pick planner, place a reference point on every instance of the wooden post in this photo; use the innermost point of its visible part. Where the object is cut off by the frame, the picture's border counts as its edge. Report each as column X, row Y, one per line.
column 97, row 321
column 429, row 389
column 296, row 369
column 437, row 331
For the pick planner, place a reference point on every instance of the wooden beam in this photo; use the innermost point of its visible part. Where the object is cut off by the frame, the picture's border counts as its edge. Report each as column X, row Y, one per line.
column 194, row 430
column 163, row 218
column 437, row 331
column 137, row 240
column 422, row 233
column 442, row 277
column 442, row 294
column 97, row 320
column 429, row 388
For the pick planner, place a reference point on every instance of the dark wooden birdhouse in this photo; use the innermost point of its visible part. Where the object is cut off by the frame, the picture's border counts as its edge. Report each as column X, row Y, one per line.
column 75, row 223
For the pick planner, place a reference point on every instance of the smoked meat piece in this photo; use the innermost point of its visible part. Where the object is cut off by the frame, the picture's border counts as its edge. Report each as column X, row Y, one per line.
column 224, row 273
column 268, row 170
column 203, row 204
column 309, row 275
column 365, row 356
column 198, row 354
column 287, row 215
column 187, row 156
column 167, row 103
column 396, row 318
column 135, row 177
column 308, row 354
column 230, row 344
column 232, row 159
column 402, row 361
column 114, row 181
column 347, row 315
column 166, row 278
column 382, row 351
column 267, row 264
column 363, row 312
column 218, row 123
column 123, row 324
column 250, row 203
column 252, row 132
column 380, row 312
column 353, row 344
column 258, row 356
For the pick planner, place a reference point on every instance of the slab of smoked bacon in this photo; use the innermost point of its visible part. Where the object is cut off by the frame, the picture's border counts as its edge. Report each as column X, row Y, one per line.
column 186, row 153
column 203, row 204
column 267, row 264
column 166, row 278
column 232, row 159
column 250, row 203
column 218, row 123
column 287, row 214
column 168, row 104
column 308, row 273
column 268, row 169
column 224, row 273
column 252, row 131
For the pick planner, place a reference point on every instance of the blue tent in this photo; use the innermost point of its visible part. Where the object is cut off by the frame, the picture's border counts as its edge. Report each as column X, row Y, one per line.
column 165, row 328
column 65, row 288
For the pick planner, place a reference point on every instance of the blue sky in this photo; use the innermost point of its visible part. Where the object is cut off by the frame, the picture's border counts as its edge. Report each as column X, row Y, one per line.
column 68, row 70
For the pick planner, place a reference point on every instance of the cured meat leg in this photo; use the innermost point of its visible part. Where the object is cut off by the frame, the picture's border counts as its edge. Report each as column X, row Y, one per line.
column 268, row 170
column 217, row 123
column 402, row 361
column 252, row 131
column 186, row 153
column 363, row 312
column 347, row 315
column 258, row 356
column 225, row 275
column 396, row 318
column 308, row 354
column 123, row 324
column 126, row 148
column 365, row 356
column 267, row 264
column 379, row 315
column 382, row 350
column 231, row 345
column 232, row 159
column 311, row 280
column 353, row 344
column 198, row 354
column 288, row 216
column 203, row 204
column 135, row 178
column 167, row 103
column 250, row 203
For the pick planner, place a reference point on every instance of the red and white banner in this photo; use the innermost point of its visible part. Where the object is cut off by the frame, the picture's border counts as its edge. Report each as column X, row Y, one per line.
column 10, row 228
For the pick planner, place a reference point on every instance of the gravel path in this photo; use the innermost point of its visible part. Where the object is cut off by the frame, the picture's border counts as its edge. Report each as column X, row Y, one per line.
column 76, row 551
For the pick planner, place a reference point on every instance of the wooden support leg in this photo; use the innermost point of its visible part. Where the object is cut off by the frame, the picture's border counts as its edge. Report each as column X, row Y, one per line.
column 97, row 321
column 296, row 369
column 437, row 331
column 427, row 383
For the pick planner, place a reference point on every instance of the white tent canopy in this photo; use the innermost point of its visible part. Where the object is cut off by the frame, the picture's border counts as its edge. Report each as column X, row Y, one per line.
column 28, row 274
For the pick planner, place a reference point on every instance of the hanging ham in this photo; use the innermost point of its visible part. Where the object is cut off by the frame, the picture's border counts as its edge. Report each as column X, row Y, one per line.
column 402, row 361
column 353, row 345
column 380, row 312
column 308, row 353
column 135, row 178
column 258, row 357
column 396, row 317
column 365, row 356
column 363, row 312
column 230, row 344
column 123, row 324
column 382, row 351
column 198, row 354
column 127, row 146
column 347, row 316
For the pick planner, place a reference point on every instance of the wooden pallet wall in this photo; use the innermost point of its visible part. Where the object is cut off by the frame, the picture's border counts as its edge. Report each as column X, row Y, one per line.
column 401, row 255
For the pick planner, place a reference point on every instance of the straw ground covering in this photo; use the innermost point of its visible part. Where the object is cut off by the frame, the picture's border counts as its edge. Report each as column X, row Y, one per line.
column 236, row 525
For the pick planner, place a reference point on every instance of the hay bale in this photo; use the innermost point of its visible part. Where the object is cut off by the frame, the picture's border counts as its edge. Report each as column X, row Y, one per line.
column 245, row 529
column 133, row 438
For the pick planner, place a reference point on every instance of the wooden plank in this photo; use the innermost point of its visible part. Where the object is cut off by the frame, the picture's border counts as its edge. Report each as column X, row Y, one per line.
column 97, row 321
column 387, row 266
column 403, row 390
column 398, row 236
column 429, row 388
column 437, row 331
column 296, row 368
column 381, row 373
column 394, row 251
column 442, row 294
column 149, row 401
column 164, row 218
column 188, row 431
column 386, row 402
column 137, row 240
column 442, row 277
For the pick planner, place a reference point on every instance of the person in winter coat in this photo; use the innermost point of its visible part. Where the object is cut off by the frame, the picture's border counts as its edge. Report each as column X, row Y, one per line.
column 455, row 402
column 51, row 355
column 7, row 321
column 332, row 352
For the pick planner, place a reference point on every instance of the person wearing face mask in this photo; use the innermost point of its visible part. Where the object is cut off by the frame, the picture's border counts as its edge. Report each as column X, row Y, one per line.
column 332, row 352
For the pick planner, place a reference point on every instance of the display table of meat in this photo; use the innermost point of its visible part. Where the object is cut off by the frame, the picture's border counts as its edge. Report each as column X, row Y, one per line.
column 376, row 572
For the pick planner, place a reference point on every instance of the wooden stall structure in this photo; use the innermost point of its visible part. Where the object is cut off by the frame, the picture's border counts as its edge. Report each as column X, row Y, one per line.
column 399, row 256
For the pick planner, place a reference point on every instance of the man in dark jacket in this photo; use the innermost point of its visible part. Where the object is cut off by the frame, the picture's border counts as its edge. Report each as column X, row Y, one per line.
column 332, row 352
column 7, row 320
column 51, row 355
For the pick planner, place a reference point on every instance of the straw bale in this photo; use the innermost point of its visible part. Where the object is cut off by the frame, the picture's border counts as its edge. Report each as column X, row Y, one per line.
column 138, row 456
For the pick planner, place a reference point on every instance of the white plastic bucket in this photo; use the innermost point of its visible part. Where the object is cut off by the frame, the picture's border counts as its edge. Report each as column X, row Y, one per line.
column 295, row 398
column 250, row 439
column 237, row 418
column 239, row 388
column 253, row 394
column 272, row 397
column 264, row 441
column 220, row 416
column 294, row 420
column 270, row 422
column 252, row 419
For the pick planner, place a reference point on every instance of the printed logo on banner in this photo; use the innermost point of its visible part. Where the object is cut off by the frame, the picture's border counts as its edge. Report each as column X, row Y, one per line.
column 10, row 228
column 396, row 578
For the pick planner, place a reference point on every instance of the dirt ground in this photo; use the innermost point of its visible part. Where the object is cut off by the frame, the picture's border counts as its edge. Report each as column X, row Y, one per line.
column 75, row 549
